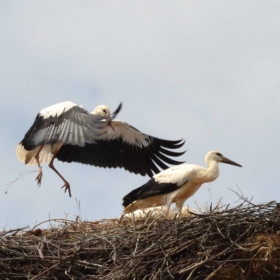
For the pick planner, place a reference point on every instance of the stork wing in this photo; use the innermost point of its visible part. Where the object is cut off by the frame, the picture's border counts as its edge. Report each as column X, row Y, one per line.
column 74, row 126
column 124, row 147
column 162, row 183
column 151, row 188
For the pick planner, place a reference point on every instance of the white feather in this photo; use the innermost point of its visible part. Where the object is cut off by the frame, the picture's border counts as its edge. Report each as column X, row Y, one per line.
column 156, row 212
column 57, row 109
column 126, row 132
column 28, row 157
column 178, row 174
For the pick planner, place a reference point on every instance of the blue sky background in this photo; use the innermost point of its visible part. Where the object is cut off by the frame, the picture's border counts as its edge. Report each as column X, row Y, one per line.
column 206, row 71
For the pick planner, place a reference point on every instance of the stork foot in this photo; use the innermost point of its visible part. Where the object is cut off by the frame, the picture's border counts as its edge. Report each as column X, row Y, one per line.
column 67, row 188
column 39, row 177
column 165, row 212
column 178, row 215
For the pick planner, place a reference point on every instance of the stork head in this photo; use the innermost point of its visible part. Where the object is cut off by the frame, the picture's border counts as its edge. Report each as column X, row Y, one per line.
column 218, row 157
column 102, row 110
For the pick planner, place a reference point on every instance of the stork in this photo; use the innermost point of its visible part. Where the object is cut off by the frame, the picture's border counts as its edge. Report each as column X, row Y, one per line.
column 175, row 184
column 69, row 133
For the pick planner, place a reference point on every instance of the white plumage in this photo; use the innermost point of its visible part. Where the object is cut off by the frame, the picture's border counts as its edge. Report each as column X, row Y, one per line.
column 175, row 184
column 155, row 212
column 58, row 109
column 69, row 133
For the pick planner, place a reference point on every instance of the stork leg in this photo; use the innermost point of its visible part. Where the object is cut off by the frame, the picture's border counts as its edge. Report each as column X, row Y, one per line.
column 40, row 172
column 66, row 184
column 179, row 207
column 166, row 209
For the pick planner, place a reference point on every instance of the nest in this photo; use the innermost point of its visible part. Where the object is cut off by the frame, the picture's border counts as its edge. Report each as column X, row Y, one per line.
column 224, row 243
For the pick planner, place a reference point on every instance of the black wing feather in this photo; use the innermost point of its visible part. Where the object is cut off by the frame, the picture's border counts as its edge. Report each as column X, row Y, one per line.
column 170, row 144
column 118, row 153
column 151, row 188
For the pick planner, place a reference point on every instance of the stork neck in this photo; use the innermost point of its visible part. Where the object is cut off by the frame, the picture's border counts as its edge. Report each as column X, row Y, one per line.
column 212, row 170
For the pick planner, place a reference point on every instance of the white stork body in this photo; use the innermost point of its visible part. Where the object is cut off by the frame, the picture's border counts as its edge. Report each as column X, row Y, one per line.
column 175, row 184
column 155, row 212
column 69, row 133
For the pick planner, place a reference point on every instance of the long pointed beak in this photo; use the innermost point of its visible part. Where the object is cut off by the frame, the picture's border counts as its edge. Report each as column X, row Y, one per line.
column 114, row 114
column 229, row 161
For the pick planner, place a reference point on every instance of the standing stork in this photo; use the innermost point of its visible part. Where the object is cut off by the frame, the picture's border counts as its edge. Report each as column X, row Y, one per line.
column 69, row 133
column 175, row 184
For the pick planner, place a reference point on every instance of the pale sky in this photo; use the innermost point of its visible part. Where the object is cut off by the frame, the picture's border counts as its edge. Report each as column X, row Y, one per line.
column 205, row 71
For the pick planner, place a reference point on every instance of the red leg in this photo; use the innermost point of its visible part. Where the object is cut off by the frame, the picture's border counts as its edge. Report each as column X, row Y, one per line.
column 66, row 184
column 40, row 172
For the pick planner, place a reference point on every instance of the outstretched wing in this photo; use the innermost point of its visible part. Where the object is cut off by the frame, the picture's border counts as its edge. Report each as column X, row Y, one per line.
column 126, row 147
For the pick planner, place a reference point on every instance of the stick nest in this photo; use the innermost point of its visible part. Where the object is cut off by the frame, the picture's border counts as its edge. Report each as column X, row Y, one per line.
column 224, row 243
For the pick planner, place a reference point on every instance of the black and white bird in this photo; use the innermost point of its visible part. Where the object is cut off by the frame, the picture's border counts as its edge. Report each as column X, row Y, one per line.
column 69, row 133
column 175, row 184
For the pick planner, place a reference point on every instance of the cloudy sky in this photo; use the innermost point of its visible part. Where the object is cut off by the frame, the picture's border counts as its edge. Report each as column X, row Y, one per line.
column 206, row 71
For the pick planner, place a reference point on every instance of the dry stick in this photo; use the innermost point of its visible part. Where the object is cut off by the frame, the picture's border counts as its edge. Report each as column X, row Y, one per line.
column 214, row 272
column 192, row 272
column 39, row 248
column 20, row 175
column 205, row 261
column 167, row 268
column 43, row 272
column 88, row 264
column 53, row 220
column 136, row 246
column 243, row 198
column 14, row 231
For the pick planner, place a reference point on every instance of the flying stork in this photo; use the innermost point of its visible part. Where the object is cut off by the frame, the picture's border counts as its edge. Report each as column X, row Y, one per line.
column 69, row 133
column 175, row 184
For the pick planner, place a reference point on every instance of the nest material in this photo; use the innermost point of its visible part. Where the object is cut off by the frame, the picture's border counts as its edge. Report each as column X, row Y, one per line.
column 228, row 243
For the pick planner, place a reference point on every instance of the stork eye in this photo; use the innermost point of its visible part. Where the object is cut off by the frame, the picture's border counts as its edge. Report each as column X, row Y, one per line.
column 104, row 111
column 218, row 154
